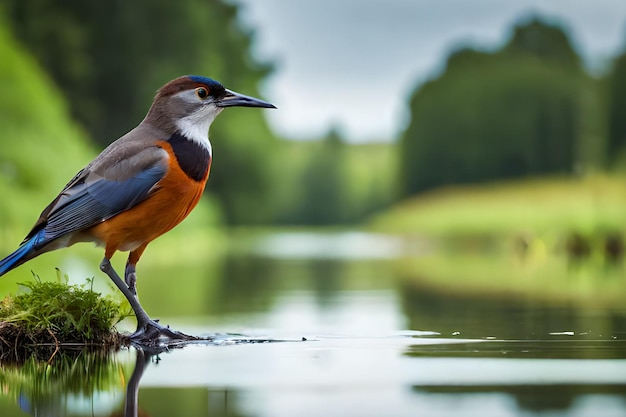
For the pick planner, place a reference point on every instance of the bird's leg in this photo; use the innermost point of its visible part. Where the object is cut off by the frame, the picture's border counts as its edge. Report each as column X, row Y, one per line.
column 130, row 276
column 148, row 330
column 140, row 313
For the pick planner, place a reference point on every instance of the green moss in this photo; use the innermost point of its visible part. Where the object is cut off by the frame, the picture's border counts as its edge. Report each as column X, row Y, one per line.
column 57, row 314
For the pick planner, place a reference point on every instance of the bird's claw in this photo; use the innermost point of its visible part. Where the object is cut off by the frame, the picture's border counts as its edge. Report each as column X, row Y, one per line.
column 151, row 333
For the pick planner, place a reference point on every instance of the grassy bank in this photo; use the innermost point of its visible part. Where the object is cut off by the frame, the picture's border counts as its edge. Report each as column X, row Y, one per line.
column 544, row 207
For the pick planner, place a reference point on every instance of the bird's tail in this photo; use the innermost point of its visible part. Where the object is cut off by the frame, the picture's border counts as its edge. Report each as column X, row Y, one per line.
column 25, row 252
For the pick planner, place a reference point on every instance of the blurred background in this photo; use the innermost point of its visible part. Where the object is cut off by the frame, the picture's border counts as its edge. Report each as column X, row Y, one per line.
column 455, row 126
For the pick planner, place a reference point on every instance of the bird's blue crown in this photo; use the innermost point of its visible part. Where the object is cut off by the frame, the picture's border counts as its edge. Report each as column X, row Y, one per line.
column 209, row 82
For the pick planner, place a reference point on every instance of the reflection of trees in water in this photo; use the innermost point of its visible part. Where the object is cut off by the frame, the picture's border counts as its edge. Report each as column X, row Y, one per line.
column 245, row 284
column 504, row 318
column 249, row 284
column 46, row 387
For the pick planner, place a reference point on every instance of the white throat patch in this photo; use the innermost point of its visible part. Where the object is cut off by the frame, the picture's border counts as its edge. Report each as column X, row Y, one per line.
column 195, row 127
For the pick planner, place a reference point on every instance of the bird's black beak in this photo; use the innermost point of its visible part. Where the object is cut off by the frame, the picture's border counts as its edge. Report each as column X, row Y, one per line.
column 232, row 99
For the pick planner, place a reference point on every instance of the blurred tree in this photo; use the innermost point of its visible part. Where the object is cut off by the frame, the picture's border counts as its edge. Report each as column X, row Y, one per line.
column 546, row 42
column 332, row 182
column 616, row 103
column 324, row 181
column 110, row 57
column 505, row 114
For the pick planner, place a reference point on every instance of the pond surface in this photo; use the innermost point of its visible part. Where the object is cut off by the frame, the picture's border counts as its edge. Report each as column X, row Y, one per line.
column 323, row 325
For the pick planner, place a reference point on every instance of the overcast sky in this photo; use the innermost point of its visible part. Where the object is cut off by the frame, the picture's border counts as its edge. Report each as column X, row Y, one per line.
column 353, row 63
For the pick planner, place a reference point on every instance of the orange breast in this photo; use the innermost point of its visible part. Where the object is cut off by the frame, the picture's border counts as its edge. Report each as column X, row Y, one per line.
column 174, row 198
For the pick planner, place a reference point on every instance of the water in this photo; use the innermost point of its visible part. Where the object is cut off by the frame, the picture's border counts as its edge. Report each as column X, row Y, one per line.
column 349, row 337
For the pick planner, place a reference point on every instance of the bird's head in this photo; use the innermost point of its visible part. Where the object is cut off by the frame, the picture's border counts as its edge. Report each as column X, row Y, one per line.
column 189, row 104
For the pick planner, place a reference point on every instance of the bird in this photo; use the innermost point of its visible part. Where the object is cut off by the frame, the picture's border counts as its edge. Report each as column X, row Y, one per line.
column 138, row 188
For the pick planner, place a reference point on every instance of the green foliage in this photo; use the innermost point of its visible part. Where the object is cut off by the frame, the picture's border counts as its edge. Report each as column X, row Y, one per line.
column 109, row 59
column 547, row 42
column 506, row 114
column 616, row 102
column 324, row 182
column 73, row 313
column 40, row 149
column 245, row 168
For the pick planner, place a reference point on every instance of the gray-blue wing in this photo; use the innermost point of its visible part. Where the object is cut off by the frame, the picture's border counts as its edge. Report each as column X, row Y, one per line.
column 88, row 200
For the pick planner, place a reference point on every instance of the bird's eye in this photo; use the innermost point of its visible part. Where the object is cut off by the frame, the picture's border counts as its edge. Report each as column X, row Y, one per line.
column 202, row 93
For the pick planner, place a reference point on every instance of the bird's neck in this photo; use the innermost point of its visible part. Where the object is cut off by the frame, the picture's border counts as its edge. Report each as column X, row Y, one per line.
column 196, row 129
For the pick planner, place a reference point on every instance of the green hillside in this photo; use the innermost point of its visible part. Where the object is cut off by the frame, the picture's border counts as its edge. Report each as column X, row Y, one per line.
column 40, row 147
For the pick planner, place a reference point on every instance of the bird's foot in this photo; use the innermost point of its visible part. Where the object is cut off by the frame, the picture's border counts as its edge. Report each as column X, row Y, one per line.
column 151, row 333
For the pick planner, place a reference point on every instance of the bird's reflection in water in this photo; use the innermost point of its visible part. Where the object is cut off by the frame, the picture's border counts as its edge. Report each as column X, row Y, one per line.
column 131, row 400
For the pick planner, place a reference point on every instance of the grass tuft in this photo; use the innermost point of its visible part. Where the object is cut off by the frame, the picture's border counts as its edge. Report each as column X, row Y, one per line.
column 58, row 314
